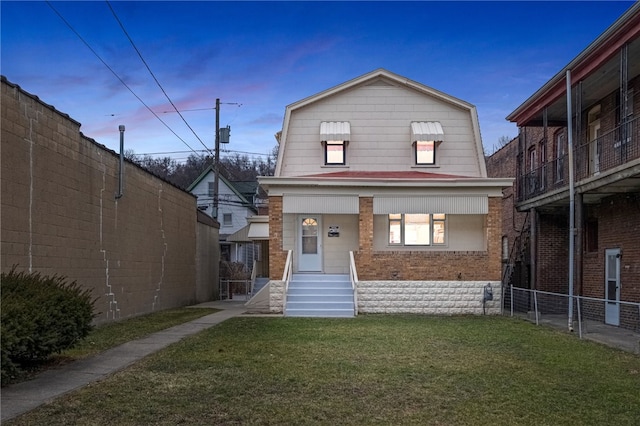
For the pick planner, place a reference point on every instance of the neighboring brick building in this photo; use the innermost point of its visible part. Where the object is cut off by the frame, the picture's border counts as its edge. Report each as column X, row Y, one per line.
column 605, row 133
column 145, row 251
column 393, row 172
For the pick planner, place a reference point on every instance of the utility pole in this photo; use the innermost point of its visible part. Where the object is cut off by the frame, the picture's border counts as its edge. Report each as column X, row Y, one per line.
column 216, row 164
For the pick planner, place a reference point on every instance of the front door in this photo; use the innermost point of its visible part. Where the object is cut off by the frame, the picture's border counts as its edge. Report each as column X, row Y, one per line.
column 612, row 287
column 310, row 244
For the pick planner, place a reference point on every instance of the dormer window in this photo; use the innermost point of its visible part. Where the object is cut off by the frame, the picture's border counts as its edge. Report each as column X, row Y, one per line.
column 335, row 136
column 426, row 136
column 334, row 153
column 425, row 152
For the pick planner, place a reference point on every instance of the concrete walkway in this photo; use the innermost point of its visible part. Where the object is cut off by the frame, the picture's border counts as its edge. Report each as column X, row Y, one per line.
column 23, row 397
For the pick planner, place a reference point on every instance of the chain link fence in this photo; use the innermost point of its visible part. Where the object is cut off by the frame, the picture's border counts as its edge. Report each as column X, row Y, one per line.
column 616, row 322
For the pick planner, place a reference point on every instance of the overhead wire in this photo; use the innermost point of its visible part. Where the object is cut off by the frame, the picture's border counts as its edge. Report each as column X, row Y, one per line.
column 153, row 75
column 116, row 74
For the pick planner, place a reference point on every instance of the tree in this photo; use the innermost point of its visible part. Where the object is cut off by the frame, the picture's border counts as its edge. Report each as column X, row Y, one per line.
column 234, row 167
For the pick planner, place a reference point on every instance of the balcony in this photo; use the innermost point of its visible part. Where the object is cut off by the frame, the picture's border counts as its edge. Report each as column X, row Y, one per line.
column 608, row 164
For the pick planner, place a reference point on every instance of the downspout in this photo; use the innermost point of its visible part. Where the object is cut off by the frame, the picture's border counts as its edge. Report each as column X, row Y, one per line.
column 571, row 199
column 121, row 172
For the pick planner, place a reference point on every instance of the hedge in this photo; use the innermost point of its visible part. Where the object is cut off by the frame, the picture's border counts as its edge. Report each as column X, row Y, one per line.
column 40, row 316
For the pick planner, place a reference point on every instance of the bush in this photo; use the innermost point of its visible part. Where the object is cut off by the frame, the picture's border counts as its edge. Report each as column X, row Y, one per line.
column 41, row 316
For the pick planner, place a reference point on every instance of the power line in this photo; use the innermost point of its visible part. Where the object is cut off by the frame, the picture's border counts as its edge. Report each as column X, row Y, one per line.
column 116, row 75
column 153, row 75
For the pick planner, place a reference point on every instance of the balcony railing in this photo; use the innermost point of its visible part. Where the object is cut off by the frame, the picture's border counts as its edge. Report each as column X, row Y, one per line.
column 610, row 150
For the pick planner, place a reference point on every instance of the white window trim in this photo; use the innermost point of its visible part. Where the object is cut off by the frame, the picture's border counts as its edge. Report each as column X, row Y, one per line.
column 403, row 242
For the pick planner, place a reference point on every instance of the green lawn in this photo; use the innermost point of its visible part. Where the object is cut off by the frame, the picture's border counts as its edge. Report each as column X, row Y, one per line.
column 380, row 370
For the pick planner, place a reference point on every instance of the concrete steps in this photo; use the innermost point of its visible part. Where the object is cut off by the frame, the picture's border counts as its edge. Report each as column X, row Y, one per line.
column 320, row 295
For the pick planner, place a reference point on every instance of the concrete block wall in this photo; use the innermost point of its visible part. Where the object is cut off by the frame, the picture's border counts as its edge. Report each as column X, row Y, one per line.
column 427, row 297
column 276, row 296
column 60, row 215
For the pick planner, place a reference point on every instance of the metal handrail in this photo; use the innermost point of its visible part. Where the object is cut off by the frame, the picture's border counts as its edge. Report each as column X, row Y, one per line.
column 254, row 272
column 610, row 150
column 353, row 275
column 286, row 277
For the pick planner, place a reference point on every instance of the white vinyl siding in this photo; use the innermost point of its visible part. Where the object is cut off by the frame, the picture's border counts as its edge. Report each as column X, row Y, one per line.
column 380, row 131
column 320, row 204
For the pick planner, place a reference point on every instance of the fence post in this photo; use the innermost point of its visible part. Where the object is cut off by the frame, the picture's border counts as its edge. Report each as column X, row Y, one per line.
column 511, row 289
column 579, row 318
column 535, row 304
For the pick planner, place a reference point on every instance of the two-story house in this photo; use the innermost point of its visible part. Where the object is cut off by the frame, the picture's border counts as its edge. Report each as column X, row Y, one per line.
column 382, row 180
column 578, row 178
column 235, row 205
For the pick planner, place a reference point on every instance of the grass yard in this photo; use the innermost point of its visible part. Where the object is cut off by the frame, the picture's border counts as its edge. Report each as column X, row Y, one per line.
column 113, row 334
column 371, row 370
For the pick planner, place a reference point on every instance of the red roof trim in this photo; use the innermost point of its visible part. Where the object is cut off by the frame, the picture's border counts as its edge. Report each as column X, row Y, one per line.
column 383, row 175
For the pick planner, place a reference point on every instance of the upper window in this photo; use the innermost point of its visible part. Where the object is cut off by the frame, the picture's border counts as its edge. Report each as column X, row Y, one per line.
column 227, row 219
column 334, row 152
column 425, row 136
column 425, row 152
column 417, row 229
column 335, row 136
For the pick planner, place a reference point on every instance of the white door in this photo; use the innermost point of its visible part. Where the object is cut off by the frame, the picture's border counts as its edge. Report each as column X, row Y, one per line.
column 612, row 287
column 310, row 244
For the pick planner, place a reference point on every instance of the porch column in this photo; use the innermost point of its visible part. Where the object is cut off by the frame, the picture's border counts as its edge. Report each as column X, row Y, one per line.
column 494, row 243
column 277, row 256
column 365, row 237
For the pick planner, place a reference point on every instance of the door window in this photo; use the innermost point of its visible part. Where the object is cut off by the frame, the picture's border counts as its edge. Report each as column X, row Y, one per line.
column 309, row 236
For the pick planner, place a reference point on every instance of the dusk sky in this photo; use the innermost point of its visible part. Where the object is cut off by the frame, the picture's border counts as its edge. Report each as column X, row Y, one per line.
column 259, row 57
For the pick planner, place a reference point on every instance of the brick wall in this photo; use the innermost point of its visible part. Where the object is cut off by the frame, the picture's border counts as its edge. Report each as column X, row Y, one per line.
column 60, row 214
column 431, row 265
column 552, row 269
column 618, row 227
column 502, row 164
column 277, row 256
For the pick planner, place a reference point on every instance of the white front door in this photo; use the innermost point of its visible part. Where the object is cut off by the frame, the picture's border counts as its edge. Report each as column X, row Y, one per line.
column 612, row 287
column 309, row 244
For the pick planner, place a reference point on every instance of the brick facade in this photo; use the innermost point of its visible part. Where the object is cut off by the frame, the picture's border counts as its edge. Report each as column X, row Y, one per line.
column 429, row 265
column 60, row 215
column 277, row 256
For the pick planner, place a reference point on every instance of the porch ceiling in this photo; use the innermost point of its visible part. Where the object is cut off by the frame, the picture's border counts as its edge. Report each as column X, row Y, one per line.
column 593, row 191
column 597, row 67
column 602, row 82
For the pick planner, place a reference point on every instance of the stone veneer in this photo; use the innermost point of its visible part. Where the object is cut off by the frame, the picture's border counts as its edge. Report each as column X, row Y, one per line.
column 427, row 297
column 414, row 297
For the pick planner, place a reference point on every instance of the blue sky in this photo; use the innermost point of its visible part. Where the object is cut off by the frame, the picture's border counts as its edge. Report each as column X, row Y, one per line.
column 258, row 57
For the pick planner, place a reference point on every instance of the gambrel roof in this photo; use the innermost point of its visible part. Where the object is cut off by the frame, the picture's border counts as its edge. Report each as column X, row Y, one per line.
column 382, row 77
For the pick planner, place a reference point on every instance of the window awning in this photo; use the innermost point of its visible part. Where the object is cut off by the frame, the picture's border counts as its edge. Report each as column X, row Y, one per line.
column 452, row 204
column 316, row 204
column 240, row 236
column 258, row 231
column 335, row 131
column 426, row 131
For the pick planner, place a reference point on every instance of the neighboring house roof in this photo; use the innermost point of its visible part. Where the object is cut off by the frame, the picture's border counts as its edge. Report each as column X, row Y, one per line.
column 247, row 188
column 232, row 185
column 382, row 74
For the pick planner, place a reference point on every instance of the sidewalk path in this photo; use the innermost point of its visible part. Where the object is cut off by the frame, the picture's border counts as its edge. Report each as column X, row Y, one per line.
column 23, row 397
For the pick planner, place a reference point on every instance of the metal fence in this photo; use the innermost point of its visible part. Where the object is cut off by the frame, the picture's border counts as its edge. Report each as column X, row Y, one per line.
column 235, row 289
column 589, row 315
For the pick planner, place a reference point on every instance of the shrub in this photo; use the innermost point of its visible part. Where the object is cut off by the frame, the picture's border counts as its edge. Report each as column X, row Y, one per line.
column 41, row 316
